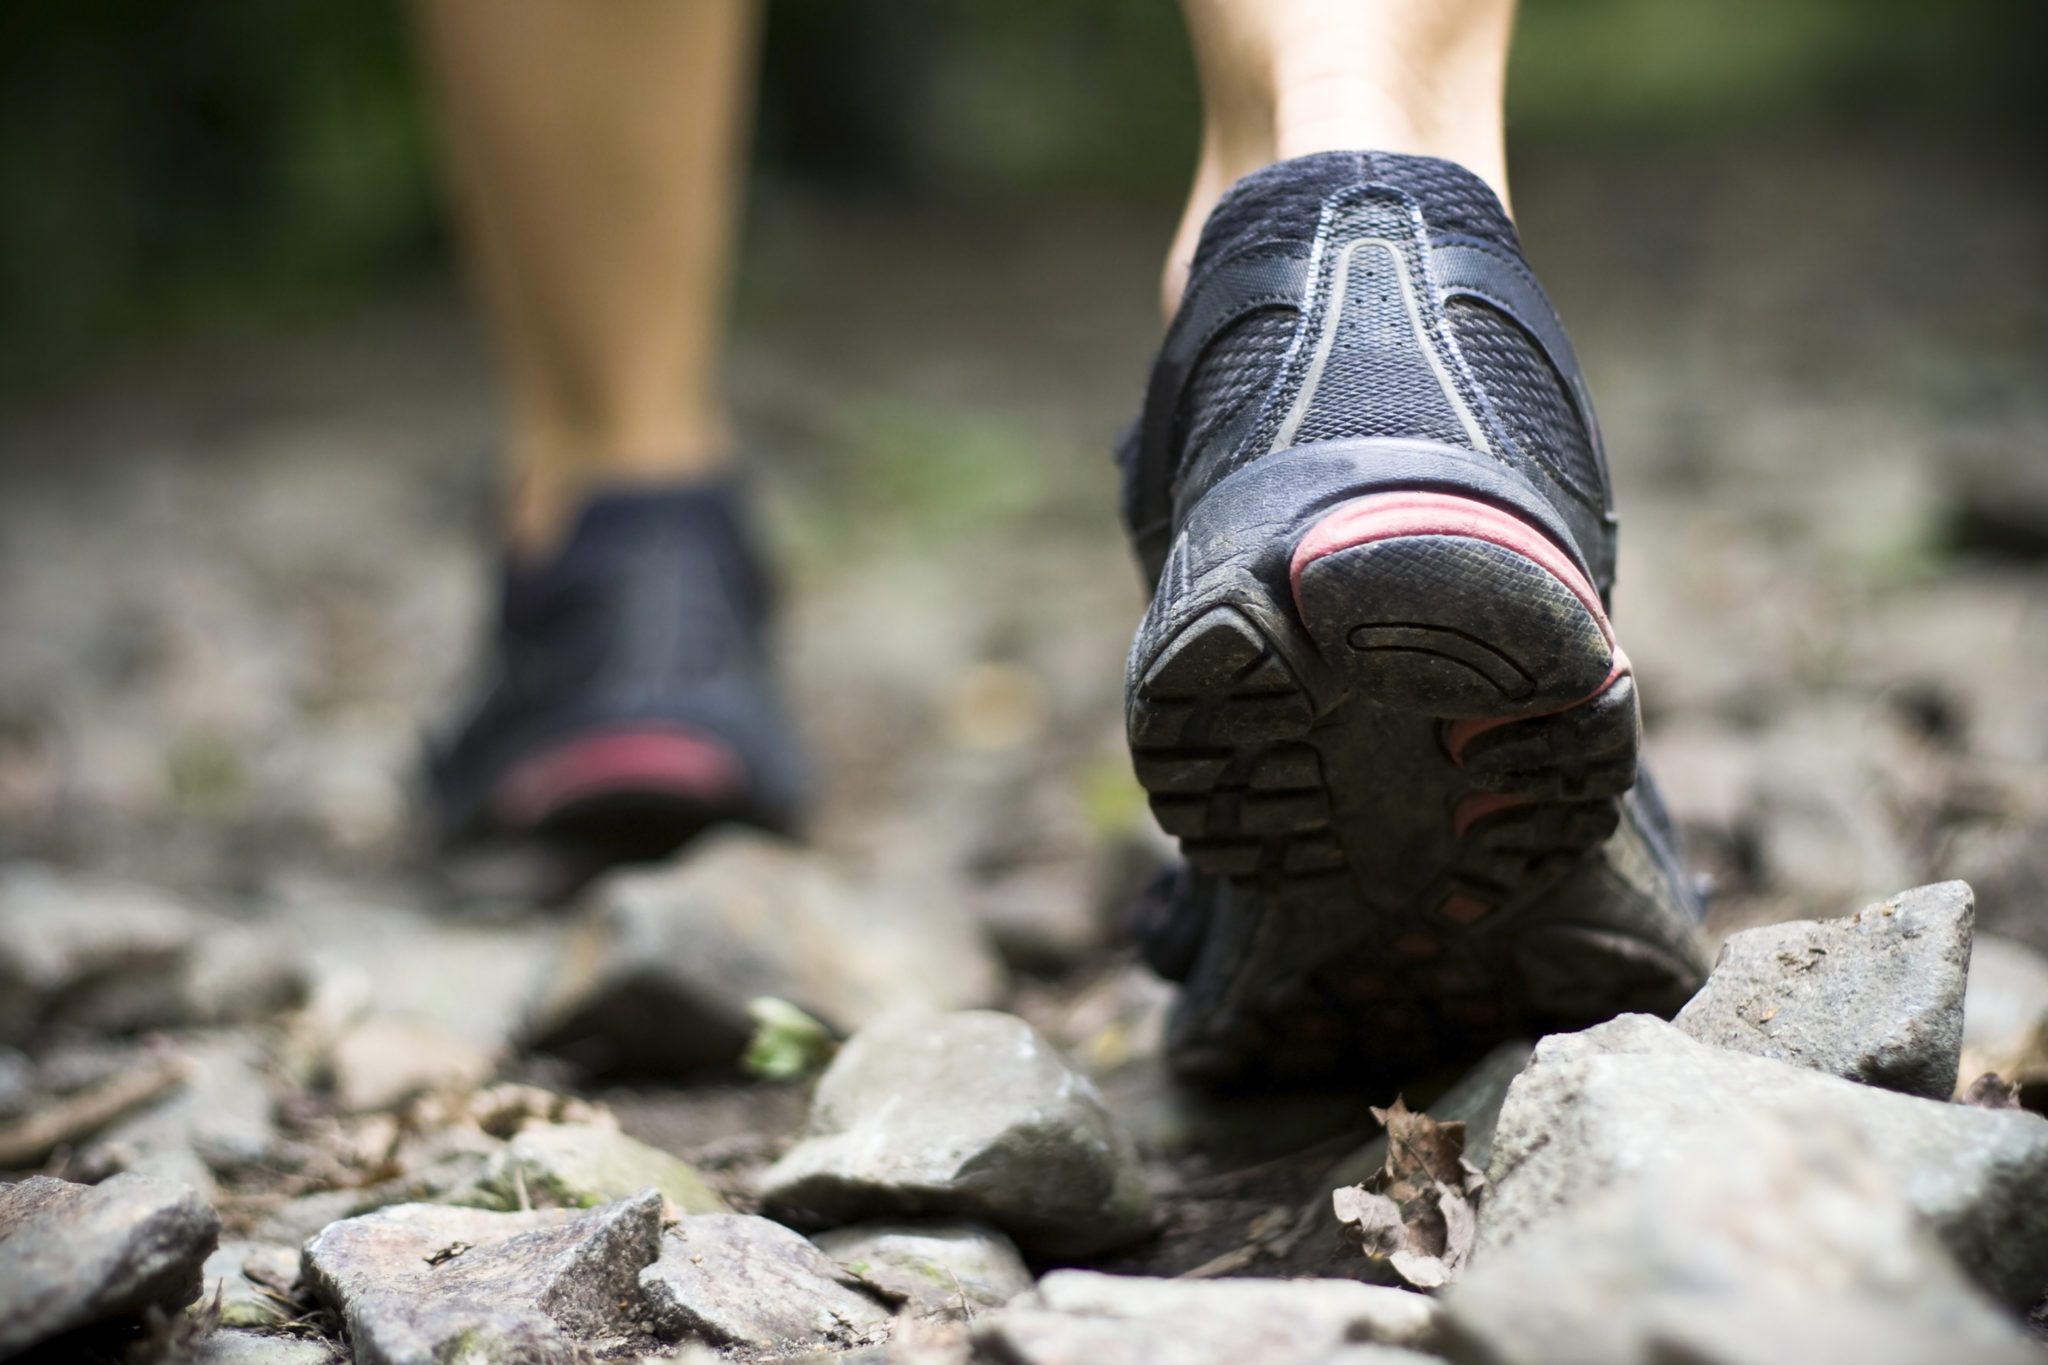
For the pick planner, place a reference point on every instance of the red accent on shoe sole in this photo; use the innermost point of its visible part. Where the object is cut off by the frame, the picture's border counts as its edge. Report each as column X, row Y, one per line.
column 1464, row 910
column 664, row 762
column 1463, row 732
column 1478, row 806
column 1391, row 516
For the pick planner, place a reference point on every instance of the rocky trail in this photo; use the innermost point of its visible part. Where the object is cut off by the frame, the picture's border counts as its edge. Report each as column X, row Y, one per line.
column 275, row 1089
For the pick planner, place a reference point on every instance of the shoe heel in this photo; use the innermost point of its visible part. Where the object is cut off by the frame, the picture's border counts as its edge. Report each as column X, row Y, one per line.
column 1451, row 607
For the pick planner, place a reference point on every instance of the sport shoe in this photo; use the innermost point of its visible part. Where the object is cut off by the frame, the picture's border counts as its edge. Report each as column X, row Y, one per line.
column 629, row 702
column 1377, row 696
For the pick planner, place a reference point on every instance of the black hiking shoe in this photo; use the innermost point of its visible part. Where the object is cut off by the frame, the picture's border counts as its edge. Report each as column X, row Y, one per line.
column 629, row 702
column 1377, row 696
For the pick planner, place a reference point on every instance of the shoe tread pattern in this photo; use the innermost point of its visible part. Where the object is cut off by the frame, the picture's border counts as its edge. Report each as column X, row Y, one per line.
column 1256, row 785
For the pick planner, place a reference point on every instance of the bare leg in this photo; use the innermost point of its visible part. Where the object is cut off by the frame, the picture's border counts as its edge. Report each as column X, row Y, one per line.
column 1284, row 78
column 595, row 147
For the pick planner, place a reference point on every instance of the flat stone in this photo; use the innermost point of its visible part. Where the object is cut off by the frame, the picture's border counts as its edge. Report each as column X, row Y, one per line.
column 374, row 955
column 1876, row 996
column 1800, row 1249
column 1079, row 1317
column 272, row 1264
column 116, row 957
column 732, row 1279
column 970, row 1115
column 219, row 1117
column 418, row 1282
column 248, row 1279
column 99, row 954
column 384, row 1061
column 932, row 1270
column 581, row 1165
column 1635, row 1096
column 240, row 973
column 664, row 962
column 72, row 1255
column 232, row 1347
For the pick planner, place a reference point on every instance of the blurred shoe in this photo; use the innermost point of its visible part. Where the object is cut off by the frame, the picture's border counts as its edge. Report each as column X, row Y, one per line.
column 1377, row 696
column 629, row 702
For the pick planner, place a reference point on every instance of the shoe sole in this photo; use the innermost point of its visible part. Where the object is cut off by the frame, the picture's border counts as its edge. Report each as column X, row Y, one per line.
column 1447, row 737
column 631, row 793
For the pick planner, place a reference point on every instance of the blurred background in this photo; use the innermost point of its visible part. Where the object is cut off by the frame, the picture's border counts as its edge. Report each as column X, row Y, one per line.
column 245, row 417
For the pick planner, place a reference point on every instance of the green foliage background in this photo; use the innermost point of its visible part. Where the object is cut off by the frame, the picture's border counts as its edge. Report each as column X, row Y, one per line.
column 162, row 166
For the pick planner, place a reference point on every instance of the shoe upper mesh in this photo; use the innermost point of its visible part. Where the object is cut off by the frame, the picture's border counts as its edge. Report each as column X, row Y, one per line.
column 1369, row 386
column 1377, row 372
column 1281, row 205
column 1237, row 366
column 1526, row 392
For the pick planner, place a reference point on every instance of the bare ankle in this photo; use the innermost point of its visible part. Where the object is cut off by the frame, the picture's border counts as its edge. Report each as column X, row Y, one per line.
column 1289, row 78
column 548, row 484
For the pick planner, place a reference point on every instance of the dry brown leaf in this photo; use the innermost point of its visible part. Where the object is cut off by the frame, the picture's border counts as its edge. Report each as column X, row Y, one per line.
column 1418, row 1211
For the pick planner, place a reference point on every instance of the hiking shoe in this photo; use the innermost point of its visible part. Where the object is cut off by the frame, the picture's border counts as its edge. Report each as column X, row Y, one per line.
column 1377, row 696
column 629, row 702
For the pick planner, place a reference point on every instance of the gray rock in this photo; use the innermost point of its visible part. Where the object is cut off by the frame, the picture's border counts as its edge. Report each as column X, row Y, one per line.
column 418, row 1281
column 580, row 1165
column 1876, row 996
column 376, row 955
column 116, row 957
column 736, row 1280
column 105, row 955
column 232, row 1347
column 664, row 962
column 384, row 1061
column 1635, row 1096
column 1078, row 1317
column 933, row 1270
column 272, row 1264
column 218, row 1119
column 71, row 1255
column 970, row 1115
column 250, row 1281
column 239, row 973
column 1799, row 1249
